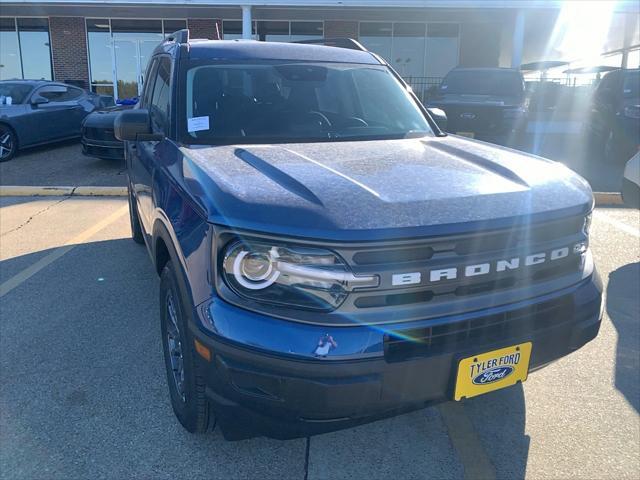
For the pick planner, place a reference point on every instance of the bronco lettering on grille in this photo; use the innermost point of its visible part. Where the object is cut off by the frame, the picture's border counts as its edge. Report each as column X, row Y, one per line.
column 479, row 269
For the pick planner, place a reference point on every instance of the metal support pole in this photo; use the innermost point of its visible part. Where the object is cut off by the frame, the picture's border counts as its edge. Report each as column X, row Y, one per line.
column 518, row 40
column 246, row 22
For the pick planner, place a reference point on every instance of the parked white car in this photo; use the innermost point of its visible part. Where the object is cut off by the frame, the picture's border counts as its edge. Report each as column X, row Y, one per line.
column 631, row 182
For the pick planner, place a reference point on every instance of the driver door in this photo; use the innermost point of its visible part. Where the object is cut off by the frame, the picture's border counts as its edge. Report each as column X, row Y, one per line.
column 59, row 115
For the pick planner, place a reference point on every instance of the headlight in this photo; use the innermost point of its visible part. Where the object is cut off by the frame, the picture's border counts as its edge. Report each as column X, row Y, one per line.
column 632, row 111
column 291, row 276
column 587, row 224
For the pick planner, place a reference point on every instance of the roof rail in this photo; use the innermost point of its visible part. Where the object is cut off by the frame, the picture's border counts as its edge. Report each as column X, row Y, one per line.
column 180, row 36
column 349, row 43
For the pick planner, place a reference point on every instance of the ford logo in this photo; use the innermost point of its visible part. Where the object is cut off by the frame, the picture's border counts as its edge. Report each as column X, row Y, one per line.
column 470, row 116
column 493, row 375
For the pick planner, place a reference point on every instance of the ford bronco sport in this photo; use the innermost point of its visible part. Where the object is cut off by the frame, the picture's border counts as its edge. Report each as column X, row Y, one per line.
column 327, row 255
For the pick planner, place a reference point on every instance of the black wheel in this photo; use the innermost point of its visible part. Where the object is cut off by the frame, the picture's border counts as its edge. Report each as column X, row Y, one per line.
column 136, row 230
column 186, row 383
column 8, row 143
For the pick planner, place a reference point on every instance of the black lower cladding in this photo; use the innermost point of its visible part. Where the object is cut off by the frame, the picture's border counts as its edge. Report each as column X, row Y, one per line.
column 285, row 398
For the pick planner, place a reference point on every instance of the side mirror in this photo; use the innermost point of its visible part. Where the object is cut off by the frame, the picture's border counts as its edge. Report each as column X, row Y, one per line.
column 439, row 117
column 130, row 124
column 38, row 100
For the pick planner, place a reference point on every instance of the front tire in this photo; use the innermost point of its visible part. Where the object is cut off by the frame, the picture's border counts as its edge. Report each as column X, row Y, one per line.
column 8, row 143
column 186, row 382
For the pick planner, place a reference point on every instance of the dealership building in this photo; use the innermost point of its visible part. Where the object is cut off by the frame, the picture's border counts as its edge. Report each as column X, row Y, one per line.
column 105, row 46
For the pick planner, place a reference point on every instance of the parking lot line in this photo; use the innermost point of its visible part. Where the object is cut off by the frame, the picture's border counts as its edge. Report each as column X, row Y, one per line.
column 31, row 270
column 466, row 442
column 618, row 224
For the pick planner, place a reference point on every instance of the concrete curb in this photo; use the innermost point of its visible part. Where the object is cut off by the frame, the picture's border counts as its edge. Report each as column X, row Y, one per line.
column 602, row 198
column 608, row 198
column 28, row 191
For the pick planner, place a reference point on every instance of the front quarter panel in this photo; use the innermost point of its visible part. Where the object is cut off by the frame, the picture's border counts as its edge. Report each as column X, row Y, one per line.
column 16, row 117
column 183, row 221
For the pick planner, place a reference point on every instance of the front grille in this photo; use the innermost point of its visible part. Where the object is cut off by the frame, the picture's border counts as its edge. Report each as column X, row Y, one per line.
column 474, row 118
column 423, row 257
column 476, row 332
column 103, row 134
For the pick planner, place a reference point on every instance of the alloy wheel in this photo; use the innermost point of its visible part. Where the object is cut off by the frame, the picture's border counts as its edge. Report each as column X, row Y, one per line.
column 6, row 143
column 174, row 342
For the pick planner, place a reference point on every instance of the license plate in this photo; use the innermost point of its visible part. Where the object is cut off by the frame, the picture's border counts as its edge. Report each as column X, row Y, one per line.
column 493, row 370
column 466, row 134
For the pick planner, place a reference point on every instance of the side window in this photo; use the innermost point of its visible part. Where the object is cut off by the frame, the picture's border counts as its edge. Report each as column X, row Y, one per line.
column 149, row 80
column 159, row 108
column 60, row 93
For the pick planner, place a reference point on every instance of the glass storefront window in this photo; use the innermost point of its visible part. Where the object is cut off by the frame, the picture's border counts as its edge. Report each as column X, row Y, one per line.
column 171, row 26
column 442, row 48
column 232, row 30
column 34, row 40
column 25, row 52
column 275, row 31
column 408, row 49
column 10, row 65
column 100, row 58
column 306, row 31
column 269, row 31
column 414, row 49
column 377, row 37
column 120, row 49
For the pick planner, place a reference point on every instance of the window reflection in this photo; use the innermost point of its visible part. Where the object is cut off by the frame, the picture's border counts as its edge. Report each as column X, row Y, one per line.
column 10, row 65
column 275, row 31
column 376, row 36
column 119, row 51
column 25, row 51
column 414, row 49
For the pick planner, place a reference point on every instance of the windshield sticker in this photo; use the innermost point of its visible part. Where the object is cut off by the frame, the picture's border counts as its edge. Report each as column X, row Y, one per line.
column 6, row 100
column 197, row 124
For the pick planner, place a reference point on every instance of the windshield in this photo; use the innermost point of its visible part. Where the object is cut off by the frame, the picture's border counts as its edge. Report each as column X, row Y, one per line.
column 297, row 102
column 504, row 83
column 631, row 86
column 13, row 93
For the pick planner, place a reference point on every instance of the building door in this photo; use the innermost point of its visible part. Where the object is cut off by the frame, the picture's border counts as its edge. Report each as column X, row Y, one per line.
column 131, row 58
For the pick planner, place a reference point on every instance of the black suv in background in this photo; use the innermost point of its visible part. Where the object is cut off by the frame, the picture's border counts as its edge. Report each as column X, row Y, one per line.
column 484, row 103
column 614, row 122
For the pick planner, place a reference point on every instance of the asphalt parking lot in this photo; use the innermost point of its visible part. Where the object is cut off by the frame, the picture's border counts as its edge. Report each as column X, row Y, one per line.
column 83, row 389
column 61, row 164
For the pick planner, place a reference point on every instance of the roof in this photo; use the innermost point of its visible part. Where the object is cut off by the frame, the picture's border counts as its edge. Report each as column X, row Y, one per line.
column 27, row 81
column 251, row 49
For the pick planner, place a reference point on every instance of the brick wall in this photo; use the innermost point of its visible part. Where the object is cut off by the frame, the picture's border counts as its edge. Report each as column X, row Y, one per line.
column 340, row 29
column 69, row 50
column 210, row 28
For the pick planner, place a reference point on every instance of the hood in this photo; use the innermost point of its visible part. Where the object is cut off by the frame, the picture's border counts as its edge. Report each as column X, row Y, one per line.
column 378, row 189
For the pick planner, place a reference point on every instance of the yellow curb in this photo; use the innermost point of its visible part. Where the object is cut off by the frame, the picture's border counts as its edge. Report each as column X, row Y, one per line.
column 608, row 198
column 26, row 191
column 100, row 191
column 29, row 191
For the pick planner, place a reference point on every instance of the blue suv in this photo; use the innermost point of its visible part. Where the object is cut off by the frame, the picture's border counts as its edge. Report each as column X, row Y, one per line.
column 327, row 255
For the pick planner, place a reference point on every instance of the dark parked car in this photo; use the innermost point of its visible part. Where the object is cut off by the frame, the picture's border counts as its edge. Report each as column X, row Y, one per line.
column 34, row 112
column 614, row 121
column 98, row 139
column 327, row 256
column 483, row 103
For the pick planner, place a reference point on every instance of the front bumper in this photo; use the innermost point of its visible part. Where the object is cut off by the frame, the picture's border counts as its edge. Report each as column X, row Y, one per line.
column 288, row 391
column 630, row 193
column 106, row 149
